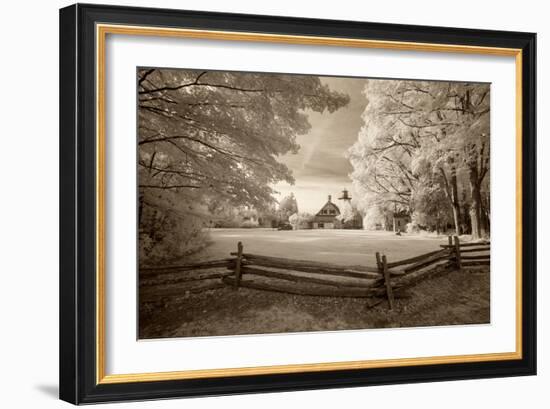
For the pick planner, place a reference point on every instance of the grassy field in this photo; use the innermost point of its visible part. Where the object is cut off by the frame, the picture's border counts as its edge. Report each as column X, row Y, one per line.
column 450, row 298
column 334, row 246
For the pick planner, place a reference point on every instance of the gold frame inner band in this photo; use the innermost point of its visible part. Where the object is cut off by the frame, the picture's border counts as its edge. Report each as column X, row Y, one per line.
column 102, row 30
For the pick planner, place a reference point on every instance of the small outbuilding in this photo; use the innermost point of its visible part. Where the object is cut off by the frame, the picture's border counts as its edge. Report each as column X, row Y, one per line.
column 400, row 221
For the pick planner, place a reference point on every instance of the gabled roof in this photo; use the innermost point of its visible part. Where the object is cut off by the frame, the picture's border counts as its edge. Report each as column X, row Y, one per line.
column 329, row 206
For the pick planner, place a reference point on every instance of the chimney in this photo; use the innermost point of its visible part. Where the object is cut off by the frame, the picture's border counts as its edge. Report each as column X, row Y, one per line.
column 329, row 197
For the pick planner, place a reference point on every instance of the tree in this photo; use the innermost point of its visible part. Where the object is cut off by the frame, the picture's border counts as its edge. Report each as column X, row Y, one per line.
column 300, row 220
column 287, row 207
column 475, row 134
column 382, row 155
column 349, row 216
column 346, row 211
column 442, row 126
column 431, row 207
column 208, row 136
column 222, row 132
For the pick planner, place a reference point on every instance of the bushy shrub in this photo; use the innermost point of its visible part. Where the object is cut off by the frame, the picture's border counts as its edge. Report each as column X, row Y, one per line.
column 413, row 227
column 300, row 220
column 165, row 235
column 227, row 223
column 249, row 224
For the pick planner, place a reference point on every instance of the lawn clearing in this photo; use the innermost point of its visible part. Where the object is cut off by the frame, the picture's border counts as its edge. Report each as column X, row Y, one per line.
column 332, row 246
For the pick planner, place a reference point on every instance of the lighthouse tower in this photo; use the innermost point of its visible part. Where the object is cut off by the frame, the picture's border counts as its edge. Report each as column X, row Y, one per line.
column 349, row 217
column 345, row 196
column 346, row 210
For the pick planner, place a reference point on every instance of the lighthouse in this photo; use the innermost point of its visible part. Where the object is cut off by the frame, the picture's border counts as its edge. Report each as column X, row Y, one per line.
column 345, row 196
column 349, row 218
column 346, row 210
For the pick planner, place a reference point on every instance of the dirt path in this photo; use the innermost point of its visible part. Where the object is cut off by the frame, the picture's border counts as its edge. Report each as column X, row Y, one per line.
column 456, row 297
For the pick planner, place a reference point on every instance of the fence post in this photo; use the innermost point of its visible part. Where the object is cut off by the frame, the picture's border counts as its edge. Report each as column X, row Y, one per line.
column 380, row 267
column 379, row 264
column 389, row 290
column 238, row 264
column 451, row 247
column 457, row 251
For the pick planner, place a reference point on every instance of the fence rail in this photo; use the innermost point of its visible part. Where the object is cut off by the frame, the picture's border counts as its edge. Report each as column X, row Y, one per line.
column 307, row 266
column 304, row 277
column 170, row 269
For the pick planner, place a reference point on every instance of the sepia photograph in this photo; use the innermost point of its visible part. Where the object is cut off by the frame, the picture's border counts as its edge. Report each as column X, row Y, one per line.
column 259, row 203
column 282, row 203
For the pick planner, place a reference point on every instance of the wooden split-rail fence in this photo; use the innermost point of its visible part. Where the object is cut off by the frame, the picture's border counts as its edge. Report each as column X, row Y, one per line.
column 304, row 277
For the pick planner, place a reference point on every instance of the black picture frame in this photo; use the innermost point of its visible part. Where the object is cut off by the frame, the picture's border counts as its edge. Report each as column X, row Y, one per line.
column 78, row 236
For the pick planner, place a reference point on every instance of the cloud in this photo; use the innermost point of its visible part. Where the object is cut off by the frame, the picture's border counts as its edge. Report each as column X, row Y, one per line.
column 320, row 167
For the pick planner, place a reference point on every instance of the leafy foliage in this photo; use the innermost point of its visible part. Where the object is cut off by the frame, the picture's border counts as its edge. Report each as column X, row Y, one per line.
column 300, row 220
column 287, row 207
column 212, row 139
column 422, row 141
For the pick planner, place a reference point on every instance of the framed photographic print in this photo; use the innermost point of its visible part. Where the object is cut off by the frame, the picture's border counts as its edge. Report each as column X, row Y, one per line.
column 257, row 203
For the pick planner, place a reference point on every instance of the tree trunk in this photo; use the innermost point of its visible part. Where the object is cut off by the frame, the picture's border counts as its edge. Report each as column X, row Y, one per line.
column 454, row 201
column 478, row 224
column 485, row 216
column 451, row 189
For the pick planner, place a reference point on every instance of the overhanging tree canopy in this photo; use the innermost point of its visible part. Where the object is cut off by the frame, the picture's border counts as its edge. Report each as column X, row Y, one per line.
column 221, row 132
column 210, row 141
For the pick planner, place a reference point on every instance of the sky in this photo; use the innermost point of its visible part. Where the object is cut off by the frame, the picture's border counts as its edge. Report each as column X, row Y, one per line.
column 320, row 167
